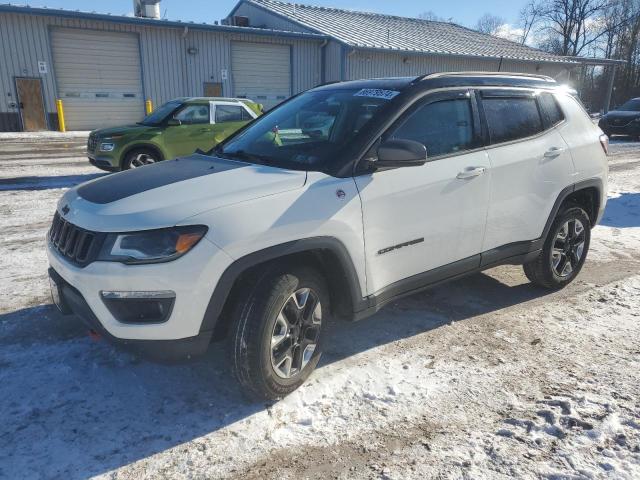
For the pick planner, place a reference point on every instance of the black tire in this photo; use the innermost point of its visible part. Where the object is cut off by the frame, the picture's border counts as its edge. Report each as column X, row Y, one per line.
column 254, row 325
column 139, row 157
column 542, row 271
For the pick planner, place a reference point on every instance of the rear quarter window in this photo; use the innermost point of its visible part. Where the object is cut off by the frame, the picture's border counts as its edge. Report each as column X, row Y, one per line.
column 511, row 118
column 550, row 110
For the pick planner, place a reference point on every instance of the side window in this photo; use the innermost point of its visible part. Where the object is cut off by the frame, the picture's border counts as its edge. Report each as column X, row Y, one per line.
column 511, row 118
column 246, row 115
column 444, row 127
column 551, row 113
column 229, row 113
column 193, row 114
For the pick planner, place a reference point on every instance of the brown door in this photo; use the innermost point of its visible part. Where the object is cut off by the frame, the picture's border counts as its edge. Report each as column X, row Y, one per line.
column 31, row 104
column 212, row 89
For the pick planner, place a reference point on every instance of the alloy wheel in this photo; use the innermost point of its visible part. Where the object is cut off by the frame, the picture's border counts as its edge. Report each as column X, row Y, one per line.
column 295, row 333
column 568, row 248
column 142, row 159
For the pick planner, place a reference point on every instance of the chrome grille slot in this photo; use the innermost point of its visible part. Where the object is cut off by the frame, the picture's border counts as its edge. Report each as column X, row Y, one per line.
column 77, row 245
column 92, row 143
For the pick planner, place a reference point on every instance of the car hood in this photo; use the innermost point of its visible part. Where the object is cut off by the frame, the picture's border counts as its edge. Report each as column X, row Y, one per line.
column 166, row 193
column 123, row 130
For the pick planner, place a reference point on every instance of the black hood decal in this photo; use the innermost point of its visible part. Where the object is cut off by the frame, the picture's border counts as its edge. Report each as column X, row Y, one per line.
column 125, row 184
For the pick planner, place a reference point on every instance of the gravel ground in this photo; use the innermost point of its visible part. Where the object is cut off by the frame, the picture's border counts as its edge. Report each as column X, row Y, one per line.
column 487, row 377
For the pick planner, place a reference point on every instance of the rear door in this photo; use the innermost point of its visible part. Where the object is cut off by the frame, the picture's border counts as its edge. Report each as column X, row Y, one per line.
column 227, row 118
column 419, row 218
column 530, row 164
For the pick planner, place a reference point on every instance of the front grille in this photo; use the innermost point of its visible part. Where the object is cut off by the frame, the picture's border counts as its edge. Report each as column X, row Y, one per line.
column 79, row 246
column 92, row 143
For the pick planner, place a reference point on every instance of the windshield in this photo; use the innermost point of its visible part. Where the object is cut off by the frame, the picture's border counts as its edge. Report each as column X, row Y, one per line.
column 631, row 106
column 309, row 130
column 159, row 114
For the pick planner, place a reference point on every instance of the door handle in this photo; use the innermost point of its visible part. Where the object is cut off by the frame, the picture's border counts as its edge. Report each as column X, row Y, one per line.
column 471, row 172
column 553, row 152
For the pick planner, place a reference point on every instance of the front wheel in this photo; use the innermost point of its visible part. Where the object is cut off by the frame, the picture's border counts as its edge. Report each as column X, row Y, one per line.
column 564, row 251
column 139, row 158
column 276, row 339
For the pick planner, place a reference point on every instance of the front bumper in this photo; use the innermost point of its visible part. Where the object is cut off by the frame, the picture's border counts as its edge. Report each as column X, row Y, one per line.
column 104, row 162
column 192, row 277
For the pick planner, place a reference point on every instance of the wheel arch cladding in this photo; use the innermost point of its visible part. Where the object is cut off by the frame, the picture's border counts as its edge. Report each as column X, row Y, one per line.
column 579, row 191
column 588, row 199
column 328, row 255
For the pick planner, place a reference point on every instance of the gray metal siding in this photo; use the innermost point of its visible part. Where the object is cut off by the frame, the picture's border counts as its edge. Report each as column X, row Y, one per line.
column 333, row 52
column 369, row 64
column 168, row 71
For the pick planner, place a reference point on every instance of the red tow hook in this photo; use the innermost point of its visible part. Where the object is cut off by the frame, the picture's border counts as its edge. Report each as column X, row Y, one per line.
column 95, row 335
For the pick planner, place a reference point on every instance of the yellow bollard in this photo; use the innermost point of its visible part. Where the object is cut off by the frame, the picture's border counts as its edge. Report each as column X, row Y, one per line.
column 61, row 125
column 148, row 106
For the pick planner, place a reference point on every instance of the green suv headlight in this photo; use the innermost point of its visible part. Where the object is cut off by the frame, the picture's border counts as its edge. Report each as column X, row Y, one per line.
column 151, row 246
column 107, row 147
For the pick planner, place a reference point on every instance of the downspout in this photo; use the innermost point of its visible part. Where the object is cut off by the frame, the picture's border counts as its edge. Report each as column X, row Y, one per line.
column 500, row 64
column 185, row 68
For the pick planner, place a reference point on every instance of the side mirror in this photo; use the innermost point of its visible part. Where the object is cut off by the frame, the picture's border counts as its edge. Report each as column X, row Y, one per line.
column 401, row 153
column 174, row 122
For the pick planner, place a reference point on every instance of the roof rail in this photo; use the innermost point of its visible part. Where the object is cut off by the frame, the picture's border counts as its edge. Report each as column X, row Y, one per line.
column 482, row 74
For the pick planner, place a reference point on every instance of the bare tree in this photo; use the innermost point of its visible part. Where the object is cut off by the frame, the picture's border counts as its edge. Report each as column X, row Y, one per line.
column 571, row 26
column 529, row 18
column 489, row 23
column 433, row 17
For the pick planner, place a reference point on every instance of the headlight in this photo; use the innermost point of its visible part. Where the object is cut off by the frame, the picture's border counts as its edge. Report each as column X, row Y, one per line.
column 151, row 246
column 106, row 147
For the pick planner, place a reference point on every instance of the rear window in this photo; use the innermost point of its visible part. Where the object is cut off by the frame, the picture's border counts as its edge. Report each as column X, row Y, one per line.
column 511, row 118
column 551, row 113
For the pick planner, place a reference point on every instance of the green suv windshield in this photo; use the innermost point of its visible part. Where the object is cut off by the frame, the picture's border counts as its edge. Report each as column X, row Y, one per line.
column 309, row 130
column 160, row 114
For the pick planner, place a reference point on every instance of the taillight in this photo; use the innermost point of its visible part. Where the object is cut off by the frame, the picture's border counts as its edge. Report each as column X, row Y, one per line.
column 604, row 141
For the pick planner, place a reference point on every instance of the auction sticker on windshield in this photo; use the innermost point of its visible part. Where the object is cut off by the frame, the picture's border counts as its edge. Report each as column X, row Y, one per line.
column 376, row 93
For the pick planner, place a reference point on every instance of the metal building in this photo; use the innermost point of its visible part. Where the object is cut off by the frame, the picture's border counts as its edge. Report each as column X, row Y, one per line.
column 104, row 67
column 364, row 44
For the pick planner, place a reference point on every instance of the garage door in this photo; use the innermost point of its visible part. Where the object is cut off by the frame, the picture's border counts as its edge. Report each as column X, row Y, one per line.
column 261, row 72
column 98, row 76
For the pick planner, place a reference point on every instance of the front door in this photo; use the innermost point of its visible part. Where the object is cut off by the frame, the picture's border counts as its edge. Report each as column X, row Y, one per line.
column 419, row 218
column 194, row 132
column 31, row 104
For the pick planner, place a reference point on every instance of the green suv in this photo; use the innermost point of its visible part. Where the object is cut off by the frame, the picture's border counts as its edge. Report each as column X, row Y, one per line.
column 179, row 127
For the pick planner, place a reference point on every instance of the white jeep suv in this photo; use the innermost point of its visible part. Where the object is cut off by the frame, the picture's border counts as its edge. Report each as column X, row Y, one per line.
column 340, row 200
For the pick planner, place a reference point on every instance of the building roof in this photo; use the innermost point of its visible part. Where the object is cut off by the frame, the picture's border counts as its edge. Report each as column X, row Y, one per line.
column 387, row 32
column 107, row 17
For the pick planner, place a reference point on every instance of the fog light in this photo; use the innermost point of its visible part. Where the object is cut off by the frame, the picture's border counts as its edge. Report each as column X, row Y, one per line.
column 139, row 307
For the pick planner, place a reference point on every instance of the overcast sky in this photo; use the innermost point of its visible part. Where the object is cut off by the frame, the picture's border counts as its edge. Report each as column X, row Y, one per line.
column 465, row 12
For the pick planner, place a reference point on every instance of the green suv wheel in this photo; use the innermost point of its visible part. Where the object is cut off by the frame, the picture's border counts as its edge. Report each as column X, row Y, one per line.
column 139, row 158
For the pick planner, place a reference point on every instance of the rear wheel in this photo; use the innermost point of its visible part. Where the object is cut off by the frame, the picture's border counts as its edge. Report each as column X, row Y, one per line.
column 276, row 339
column 564, row 251
column 139, row 158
